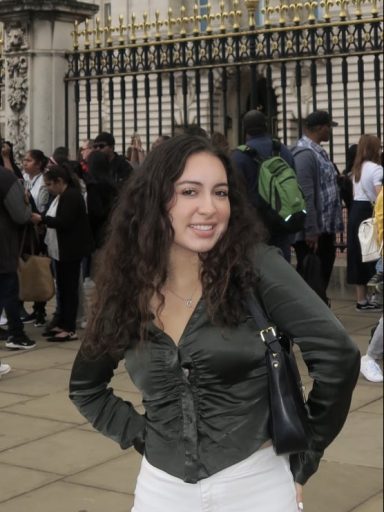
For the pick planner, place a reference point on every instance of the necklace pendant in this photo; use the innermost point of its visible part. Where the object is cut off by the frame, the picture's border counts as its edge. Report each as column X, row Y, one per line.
column 188, row 303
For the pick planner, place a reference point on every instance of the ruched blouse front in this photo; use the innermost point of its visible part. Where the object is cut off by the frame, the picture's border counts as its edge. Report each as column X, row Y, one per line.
column 206, row 400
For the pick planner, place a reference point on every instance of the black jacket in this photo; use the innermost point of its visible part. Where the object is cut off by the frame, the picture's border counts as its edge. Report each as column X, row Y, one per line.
column 14, row 212
column 72, row 226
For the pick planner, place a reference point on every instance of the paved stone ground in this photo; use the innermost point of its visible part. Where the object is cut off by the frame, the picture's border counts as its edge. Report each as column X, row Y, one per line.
column 52, row 461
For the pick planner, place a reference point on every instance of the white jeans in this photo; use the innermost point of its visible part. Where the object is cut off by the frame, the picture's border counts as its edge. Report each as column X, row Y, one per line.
column 261, row 483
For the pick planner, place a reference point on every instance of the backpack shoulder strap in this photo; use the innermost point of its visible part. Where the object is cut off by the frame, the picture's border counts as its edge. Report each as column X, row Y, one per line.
column 252, row 152
column 276, row 147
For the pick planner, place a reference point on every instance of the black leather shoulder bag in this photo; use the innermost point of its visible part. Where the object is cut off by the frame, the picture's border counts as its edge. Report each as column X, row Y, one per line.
column 289, row 429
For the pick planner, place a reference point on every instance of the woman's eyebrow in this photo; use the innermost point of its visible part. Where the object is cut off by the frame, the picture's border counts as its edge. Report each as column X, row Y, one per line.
column 191, row 182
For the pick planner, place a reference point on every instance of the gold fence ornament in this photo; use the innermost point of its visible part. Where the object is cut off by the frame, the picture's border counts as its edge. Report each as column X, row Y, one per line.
column 75, row 35
column 222, row 16
column 343, row 7
column 133, row 28
column 157, row 25
column 196, row 20
column 170, row 22
column 235, row 14
column 374, row 9
column 251, row 6
column 311, row 8
column 98, row 31
column 296, row 9
column 282, row 10
column 327, row 5
column 267, row 10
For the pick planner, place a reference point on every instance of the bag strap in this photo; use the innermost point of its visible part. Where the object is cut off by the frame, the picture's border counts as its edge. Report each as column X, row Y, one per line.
column 267, row 331
column 22, row 241
column 276, row 147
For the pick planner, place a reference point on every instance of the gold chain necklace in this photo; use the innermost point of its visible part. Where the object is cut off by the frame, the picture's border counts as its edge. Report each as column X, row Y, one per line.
column 188, row 301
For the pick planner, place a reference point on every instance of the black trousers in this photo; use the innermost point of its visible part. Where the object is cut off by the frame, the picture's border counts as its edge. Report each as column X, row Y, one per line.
column 67, row 282
column 326, row 251
column 9, row 300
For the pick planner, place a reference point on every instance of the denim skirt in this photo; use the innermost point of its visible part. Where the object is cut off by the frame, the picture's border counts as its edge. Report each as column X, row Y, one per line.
column 261, row 483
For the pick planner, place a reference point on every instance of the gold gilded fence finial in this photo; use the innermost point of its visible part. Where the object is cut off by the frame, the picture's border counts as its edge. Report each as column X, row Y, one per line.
column 296, row 9
column 343, row 7
column 98, row 31
column 357, row 4
column 108, row 30
column 133, row 27
column 208, row 18
column 157, row 24
column 183, row 20
column 267, row 10
column 75, row 35
column 170, row 22
column 236, row 15
column 122, row 27
column 222, row 16
column 146, row 26
column 374, row 10
column 282, row 10
column 196, row 18
column 251, row 6
column 311, row 8
column 86, row 33
column 327, row 5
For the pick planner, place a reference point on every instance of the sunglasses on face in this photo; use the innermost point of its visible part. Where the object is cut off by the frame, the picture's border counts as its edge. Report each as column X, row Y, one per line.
column 100, row 146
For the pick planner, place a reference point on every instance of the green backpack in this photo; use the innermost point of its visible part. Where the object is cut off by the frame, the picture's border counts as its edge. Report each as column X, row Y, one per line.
column 279, row 197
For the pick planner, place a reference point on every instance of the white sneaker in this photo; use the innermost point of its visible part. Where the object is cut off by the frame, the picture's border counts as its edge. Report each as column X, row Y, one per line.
column 3, row 319
column 371, row 370
column 4, row 368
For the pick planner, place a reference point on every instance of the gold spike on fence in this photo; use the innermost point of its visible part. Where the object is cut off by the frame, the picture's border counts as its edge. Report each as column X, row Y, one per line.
column 195, row 21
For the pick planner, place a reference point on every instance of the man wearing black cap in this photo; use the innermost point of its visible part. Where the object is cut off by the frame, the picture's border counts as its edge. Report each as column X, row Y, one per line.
column 318, row 179
column 257, row 137
column 119, row 167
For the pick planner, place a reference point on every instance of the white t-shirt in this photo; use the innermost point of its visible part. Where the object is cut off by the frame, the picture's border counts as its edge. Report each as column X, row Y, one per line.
column 371, row 177
column 51, row 235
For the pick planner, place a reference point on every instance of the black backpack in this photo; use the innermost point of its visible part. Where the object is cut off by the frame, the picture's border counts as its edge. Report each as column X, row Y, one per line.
column 279, row 197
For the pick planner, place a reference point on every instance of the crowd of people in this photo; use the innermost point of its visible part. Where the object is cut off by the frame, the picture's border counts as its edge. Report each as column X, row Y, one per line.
column 186, row 241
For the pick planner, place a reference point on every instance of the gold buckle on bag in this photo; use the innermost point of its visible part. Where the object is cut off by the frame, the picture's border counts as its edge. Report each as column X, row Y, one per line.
column 265, row 331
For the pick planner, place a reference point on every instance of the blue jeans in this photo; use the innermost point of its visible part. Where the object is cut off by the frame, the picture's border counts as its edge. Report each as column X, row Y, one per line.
column 379, row 266
column 9, row 300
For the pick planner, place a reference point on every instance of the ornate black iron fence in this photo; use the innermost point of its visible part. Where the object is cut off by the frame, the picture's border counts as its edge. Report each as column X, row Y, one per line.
column 151, row 76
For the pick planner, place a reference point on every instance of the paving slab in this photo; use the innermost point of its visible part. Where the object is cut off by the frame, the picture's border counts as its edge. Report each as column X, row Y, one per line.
column 37, row 383
column 337, row 487
column 64, row 453
column 360, row 443
column 68, row 497
column 56, row 406
column 16, row 429
column 16, row 480
column 48, row 357
column 119, row 474
column 374, row 504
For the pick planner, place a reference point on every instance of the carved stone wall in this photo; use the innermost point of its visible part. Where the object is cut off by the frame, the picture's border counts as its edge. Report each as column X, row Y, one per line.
column 16, row 85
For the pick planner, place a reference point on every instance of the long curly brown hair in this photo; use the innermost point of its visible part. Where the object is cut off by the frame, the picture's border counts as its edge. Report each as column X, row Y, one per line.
column 133, row 266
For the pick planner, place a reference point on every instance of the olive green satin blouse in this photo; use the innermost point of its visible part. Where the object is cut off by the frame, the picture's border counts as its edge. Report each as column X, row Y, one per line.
column 206, row 400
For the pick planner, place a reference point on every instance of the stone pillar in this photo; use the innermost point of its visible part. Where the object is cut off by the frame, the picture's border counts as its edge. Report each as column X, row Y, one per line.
column 37, row 34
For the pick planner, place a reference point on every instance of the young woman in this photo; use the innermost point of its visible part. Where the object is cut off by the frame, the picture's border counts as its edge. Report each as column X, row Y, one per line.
column 182, row 256
column 367, row 174
column 34, row 164
column 68, row 240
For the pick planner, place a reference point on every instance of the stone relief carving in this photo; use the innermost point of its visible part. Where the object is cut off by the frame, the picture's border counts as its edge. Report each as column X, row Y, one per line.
column 16, row 91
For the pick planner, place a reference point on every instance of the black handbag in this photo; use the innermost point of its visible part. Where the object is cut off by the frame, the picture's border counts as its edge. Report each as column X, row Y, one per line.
column 289, row 429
